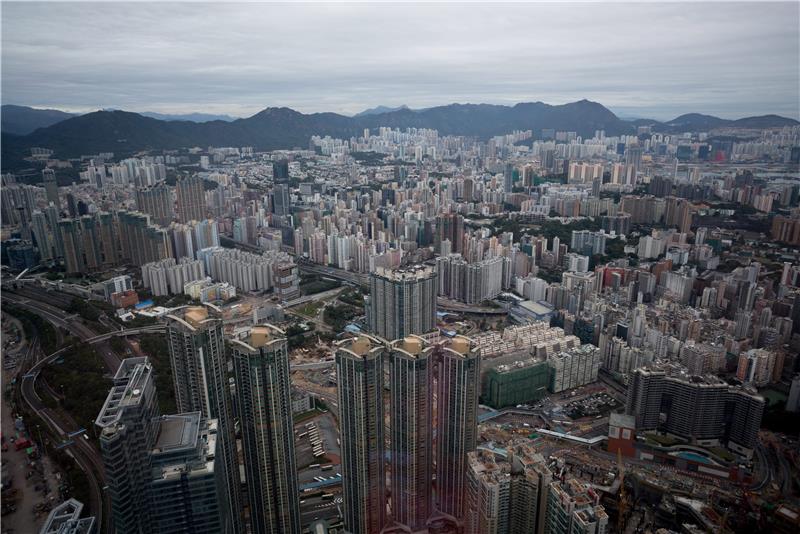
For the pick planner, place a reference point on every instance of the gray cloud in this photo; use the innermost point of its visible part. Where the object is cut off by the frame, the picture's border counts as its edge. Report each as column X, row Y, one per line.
column 657, row 60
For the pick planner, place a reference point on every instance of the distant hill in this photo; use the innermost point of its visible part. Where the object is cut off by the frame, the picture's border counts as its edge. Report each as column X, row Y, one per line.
column 764, row 121
column 281, row 128
column 192, row 117
column 377, row 110
column 697, row 122
column 693, row 122
column 22, row 120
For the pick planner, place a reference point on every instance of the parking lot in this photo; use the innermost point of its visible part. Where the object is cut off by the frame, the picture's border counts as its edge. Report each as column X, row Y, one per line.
column 594, row 405
column 318, row 476
column 318, row 432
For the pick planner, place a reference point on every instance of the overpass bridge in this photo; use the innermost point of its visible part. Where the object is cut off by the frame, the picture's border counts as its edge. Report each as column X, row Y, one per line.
column 156, row 328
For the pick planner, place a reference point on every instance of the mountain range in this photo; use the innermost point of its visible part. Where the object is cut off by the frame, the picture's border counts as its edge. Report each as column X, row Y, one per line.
column 125, row 133
column 22, row 120
column 192, row 117
column 377, row 110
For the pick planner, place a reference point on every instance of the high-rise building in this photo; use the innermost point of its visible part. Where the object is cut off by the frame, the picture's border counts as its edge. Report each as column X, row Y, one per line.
column 457, row 392
column 423, row 441
column 280, row 169
column 199, row 372
column 160, row 471
column 702, row 410
column 573, row 508
column 51, row 187
column 108, row 230
column 70, row 232
column 167, row 277
column 126, row 438
column 402, row 302
column 280, row 200
column 191, row 199
column 450, row 226
column 359, row 374
column 157, row 202
column 185, row 486
column 507, row 493
column 471, row 283
column 141, row 241
column 411, row 431
column 43, row 235
column 633, row 157
column 263, row 392
column 508, row 178
column 66, row 519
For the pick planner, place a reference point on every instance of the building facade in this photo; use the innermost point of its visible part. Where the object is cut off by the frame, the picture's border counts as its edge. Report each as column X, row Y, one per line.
column 264, row 400
column 199, row 372
column 402, row 302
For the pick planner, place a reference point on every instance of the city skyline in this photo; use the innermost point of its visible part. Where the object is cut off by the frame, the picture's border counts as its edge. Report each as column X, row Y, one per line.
column 513, row 317
column 324, row 57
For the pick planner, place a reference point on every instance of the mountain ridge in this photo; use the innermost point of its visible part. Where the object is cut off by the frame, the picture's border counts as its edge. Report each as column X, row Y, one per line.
column 274, row 128
column 22, row 120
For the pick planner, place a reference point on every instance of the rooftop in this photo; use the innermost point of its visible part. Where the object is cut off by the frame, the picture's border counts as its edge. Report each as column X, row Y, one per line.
column 414, row 272
column 131, row 379
column 177, row 432
column 258, row 336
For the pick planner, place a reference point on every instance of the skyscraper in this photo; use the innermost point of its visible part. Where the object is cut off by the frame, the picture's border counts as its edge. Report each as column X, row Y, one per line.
column 457, row 422
column 420, row 373
column 51, row 187
column 43, row 236
column 70, row 232
column 141, row 241
column 280, row 200
column 280, row 169
column 450, row 226
column 263, row 390
column 199, row 371
column 633, row 157
column 402, row 302
column 191, row 199
column 157, row 202
column 126, row 437
column 508, row 178
column 160, row 471
column 359, row 371
column 411, row 422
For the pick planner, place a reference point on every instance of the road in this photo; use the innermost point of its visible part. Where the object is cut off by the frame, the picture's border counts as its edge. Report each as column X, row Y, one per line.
column 313, row 298
column 85, row 454
column 361, row 279
column 314, row 508
column 455, row 306
column 35, row 300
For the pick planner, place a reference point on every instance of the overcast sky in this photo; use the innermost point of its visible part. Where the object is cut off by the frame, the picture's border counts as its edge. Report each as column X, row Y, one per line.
column 655, row 60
